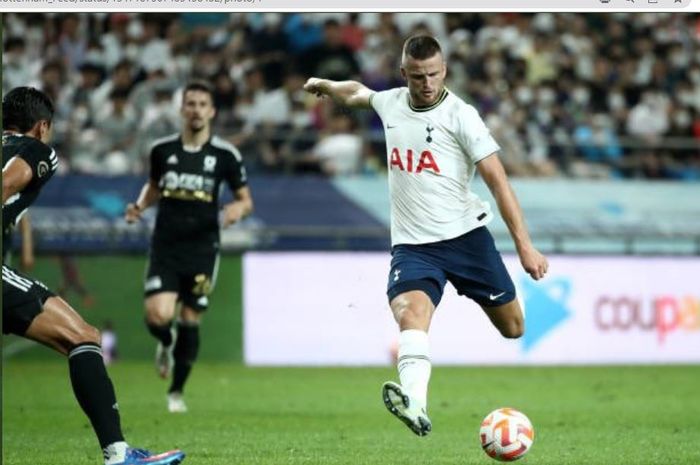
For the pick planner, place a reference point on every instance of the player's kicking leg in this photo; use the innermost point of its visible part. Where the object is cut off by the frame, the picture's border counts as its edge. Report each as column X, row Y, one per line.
column 408, row 401
column 507, row 318
column 31, row 310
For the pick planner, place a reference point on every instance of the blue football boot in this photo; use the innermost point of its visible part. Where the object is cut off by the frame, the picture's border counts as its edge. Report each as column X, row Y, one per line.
column 143, row 457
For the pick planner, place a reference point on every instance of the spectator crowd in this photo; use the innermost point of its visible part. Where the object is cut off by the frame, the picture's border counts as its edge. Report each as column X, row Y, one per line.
column 565, row 94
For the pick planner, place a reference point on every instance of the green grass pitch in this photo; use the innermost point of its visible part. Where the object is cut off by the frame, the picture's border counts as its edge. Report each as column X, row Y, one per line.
column 266, row 416
column 116, row 282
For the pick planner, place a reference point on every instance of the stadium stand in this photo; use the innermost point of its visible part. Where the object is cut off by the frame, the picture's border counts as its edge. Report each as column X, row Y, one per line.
column 567, row 95
column 602, row 100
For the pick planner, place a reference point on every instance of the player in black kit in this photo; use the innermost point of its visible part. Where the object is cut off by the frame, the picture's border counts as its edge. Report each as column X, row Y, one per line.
column 29, row 308
column 187, row 171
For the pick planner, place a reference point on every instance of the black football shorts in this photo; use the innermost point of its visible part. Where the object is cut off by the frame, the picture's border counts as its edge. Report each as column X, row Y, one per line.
column 192, row 279
column 22, row 300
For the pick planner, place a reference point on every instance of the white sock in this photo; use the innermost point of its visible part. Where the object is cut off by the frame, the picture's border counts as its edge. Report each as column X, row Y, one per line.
column 115, row 452
column 414, row 364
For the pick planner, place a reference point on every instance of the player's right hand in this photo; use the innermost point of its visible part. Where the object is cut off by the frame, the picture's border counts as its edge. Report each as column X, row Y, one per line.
column 314, row 86
column 132, row 213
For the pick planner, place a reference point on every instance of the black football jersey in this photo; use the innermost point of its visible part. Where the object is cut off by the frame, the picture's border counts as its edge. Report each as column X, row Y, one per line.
column 42, row 160
column 190, row 184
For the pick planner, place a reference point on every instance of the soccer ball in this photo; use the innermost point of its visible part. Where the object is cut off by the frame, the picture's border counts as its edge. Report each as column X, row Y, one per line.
column 506, row 434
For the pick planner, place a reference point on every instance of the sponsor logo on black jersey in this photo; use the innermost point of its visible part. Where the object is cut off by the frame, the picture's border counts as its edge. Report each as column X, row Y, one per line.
column 187, row 186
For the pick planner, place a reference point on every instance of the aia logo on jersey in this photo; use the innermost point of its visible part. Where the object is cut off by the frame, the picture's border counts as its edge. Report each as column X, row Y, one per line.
column 413, row 162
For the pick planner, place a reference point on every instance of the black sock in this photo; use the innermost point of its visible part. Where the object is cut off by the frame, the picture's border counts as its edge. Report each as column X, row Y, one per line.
column 185, row 353
column 95, row 393
column 161, row 332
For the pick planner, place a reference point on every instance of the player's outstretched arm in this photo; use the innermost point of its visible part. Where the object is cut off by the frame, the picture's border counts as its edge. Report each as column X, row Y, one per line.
column 148, row 196
column 15, row 176
column 348, row 93
column 491, row 170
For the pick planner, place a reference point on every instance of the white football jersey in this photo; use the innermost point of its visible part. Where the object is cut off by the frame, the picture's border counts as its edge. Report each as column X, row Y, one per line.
column 431, row 156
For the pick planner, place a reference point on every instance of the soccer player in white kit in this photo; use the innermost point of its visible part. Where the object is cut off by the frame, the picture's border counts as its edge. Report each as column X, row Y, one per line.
column 435, row 141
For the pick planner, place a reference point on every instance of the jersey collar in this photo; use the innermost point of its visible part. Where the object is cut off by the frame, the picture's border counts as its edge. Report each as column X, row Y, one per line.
column 439, row 100
column 186, row 148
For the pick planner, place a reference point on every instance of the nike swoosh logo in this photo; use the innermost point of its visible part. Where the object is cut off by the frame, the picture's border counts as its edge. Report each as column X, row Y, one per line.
column 388, row 126
column 494, row 297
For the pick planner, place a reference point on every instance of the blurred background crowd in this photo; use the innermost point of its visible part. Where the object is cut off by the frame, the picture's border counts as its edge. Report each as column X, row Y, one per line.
column 567, row 95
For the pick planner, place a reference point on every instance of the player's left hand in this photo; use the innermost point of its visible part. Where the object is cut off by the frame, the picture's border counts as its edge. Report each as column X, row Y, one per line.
column 233, row 212
column 534, row 262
